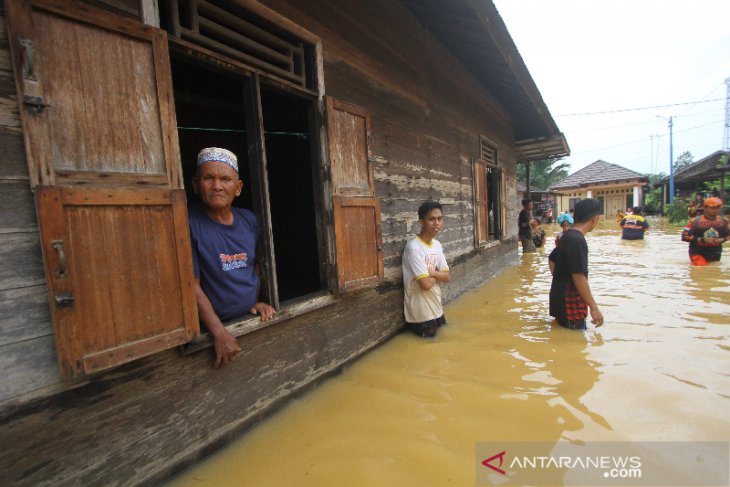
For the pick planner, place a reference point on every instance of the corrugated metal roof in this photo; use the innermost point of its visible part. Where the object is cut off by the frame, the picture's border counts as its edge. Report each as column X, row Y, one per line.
column 599, row 172
column 474, row 32
column 706, row 169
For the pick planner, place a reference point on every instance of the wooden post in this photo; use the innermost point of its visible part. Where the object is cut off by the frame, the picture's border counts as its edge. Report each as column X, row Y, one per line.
column 150, row 14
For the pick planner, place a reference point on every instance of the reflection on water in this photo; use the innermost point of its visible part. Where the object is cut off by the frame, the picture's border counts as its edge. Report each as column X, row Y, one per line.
column 411, row 412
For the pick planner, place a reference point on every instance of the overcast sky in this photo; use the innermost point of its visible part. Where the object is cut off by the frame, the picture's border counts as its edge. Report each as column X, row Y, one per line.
column 589, row 56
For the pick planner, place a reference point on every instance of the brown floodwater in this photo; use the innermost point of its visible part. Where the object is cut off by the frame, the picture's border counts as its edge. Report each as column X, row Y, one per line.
column 412, row 411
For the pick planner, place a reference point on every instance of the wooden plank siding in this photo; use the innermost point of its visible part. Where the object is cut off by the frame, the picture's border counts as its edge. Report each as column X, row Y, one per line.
column 27, row 350
column 146, row 420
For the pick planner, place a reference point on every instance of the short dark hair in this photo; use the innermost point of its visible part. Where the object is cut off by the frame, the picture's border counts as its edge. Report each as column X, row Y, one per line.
column 525, row 201
column 637, row 210
column 586, row 209
column 426, row 208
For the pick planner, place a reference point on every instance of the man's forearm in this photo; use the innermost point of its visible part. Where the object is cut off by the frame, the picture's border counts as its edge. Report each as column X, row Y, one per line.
column 205, row 310
column 440, row 276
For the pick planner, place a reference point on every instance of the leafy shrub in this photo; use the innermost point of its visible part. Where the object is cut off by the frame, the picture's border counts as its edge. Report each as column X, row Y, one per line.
column 677, row 212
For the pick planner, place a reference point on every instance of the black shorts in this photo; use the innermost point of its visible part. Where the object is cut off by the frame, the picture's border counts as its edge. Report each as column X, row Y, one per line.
column 427, row 329
column 574, row 324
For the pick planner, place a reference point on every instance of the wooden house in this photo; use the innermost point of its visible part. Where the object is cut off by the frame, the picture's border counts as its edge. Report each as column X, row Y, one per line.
column 700, row 178
column 615, row 186
column 345, row 117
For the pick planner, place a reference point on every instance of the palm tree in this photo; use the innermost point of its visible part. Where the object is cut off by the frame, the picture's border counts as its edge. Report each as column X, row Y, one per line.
column 544, row 173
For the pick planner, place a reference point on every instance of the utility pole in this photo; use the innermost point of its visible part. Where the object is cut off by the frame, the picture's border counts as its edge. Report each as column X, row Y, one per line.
column 726, row 135
column 671, row 163
column 671, row 159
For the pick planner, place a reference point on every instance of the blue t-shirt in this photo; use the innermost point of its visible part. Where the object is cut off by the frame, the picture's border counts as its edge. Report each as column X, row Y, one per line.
column 223, row 259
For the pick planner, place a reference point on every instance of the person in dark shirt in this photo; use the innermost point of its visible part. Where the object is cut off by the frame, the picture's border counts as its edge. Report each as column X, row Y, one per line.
column 706, row 233
column 634, row 225
column 570, row 295
column 523, row 221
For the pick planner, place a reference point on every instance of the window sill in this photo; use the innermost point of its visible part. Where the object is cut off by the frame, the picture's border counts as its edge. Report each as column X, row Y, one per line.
column 489, row 244
column 251, row 323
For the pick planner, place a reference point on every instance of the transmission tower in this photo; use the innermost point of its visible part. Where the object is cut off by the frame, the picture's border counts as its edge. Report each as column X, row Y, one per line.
column 726, row 135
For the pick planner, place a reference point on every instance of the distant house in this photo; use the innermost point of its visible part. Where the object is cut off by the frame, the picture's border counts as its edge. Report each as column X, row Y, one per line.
column 614, row 185
column 691, row 180
column 536, row 194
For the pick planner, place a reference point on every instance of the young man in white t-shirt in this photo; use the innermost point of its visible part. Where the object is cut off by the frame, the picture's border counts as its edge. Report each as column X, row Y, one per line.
column 424, row 267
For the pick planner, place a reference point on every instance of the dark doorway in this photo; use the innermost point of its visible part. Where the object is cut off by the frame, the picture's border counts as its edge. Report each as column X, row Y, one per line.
column 494, row 176
column 292, row 193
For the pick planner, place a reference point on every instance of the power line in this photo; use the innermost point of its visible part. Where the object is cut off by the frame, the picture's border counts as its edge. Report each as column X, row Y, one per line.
column 655, row 163
column 646, row 122
column 639, row 108
column 712, row 91
column 643, row 141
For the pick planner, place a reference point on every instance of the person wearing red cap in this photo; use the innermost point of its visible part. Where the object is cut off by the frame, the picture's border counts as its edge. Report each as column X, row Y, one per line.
column 706, row 233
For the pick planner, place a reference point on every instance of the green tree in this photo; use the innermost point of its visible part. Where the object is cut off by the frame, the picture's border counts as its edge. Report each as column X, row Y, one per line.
column 544, row 173
column 684, row 160
column 677, row 211
column 653, row 194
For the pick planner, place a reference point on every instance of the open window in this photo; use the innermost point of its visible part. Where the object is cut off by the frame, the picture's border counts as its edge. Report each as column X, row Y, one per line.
column 243, row 82
column 488, row 206
column 271, row 132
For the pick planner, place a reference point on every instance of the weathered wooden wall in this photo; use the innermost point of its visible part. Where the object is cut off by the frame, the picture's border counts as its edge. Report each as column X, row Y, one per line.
column 143, row 421
column 27, row 352
column 427, row 115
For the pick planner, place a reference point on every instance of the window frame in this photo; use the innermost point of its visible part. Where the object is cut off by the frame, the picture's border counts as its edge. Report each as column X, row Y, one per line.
column 254, row 81
column 488, row 161
column 327, row 195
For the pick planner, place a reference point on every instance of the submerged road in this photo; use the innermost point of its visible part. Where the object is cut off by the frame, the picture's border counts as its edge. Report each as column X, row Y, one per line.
column 413, row 411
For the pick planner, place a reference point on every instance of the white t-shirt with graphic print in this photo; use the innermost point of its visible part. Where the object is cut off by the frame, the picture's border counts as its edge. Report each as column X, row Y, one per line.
column 420, row 305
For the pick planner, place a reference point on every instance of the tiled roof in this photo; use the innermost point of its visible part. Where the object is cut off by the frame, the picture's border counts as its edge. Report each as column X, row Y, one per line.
column 596, row 173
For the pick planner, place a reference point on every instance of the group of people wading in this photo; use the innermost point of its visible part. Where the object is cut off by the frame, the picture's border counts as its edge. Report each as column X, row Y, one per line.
column 570, row 295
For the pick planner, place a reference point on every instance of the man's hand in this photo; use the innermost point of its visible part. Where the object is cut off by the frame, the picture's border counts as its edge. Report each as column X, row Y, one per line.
column 263, row 309
column 596, row 316
column 226, row 347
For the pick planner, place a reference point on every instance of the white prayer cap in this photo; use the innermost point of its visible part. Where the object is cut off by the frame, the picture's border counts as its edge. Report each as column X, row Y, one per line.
column 216, row 154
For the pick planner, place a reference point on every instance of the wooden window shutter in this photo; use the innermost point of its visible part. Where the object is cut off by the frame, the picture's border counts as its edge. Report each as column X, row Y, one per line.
column 481, row 207
column 359, row 251
column 96, row 105
column 356, row 213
